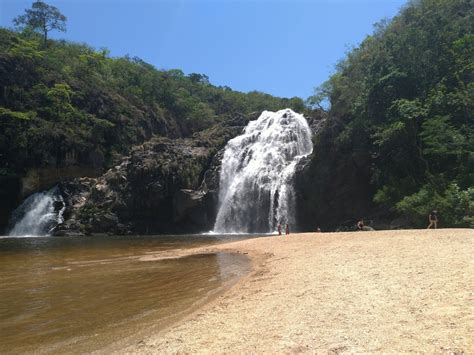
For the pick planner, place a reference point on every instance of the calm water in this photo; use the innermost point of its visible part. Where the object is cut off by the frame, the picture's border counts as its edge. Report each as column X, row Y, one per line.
column 83, row 293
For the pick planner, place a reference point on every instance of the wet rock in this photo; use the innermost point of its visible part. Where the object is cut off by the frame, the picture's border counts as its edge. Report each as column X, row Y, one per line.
column 106, row 221
column 189, row 206
column 211, row 176
column 58, row 205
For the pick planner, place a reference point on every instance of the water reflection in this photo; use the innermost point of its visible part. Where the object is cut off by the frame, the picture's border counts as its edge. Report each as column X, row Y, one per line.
column 63, row 294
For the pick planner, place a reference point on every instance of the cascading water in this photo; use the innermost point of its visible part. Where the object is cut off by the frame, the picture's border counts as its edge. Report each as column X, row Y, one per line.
column 256, row 191
column 38, row 214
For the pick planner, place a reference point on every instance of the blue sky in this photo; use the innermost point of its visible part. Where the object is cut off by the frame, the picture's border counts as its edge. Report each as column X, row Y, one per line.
column 285, row 48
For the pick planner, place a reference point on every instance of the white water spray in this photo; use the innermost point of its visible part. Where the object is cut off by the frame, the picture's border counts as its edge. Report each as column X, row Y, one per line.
column 38, row 214
column 255, row 191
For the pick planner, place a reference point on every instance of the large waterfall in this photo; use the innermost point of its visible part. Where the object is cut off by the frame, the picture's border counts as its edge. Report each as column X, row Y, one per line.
column 256, row 191
column 38, row 214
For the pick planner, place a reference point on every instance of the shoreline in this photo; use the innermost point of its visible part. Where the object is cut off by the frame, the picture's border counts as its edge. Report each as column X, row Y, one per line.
column 383, row 291
column 164, row 325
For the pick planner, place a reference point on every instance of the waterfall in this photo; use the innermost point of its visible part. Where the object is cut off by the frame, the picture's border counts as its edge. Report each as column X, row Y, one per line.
column 256, row 191
column 38, row 214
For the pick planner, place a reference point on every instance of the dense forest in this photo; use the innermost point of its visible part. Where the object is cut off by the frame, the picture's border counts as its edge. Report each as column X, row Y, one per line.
column 66, row 98
column 401, row 125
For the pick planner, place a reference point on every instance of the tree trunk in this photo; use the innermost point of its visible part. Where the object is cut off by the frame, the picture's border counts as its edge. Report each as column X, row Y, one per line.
column 45, row 32
column 5, row 94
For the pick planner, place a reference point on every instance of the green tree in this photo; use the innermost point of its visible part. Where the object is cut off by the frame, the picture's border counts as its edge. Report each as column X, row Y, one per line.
column 42, row 17
column 60, row 98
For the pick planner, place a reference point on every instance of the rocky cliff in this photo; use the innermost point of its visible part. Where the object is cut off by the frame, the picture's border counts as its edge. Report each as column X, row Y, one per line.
column 163, row 186
column 333, row 184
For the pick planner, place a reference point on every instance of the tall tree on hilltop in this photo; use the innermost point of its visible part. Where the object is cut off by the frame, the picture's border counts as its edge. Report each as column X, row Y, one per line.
column 42, row 17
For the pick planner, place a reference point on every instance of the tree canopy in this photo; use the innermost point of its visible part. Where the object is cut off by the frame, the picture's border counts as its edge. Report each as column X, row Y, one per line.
column 69, row 101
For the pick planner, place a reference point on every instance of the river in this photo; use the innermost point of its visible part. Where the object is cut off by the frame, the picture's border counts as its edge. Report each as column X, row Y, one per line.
column 81, row 294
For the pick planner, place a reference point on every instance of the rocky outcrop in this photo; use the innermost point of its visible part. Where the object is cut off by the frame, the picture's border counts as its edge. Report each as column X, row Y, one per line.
column 39, row 179
column 163, row 186
column 316, row 120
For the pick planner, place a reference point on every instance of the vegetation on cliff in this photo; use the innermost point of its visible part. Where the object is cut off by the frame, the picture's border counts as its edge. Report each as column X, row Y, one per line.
column 400, row 126
column 67, row 103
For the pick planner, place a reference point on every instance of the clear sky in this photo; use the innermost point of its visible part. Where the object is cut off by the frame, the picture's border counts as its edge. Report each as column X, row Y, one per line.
column 284, row 48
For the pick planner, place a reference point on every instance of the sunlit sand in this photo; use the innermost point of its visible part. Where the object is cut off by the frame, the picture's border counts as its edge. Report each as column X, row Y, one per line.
column 375, row 292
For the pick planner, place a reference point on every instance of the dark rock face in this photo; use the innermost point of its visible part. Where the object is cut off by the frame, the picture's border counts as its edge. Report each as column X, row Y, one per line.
column 210, row 184
column 316, row 121
column 10, row 187
column 333, row 185
column 189, row 208
column 164, row 186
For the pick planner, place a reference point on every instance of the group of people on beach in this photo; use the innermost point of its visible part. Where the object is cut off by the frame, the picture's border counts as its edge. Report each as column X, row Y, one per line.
column 432, row 218
column 361, row 226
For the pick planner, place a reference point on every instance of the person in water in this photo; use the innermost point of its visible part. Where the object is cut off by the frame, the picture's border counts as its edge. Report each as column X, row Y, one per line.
column 287, row 229
column 360, row 225
column 279, row 229
column 433, row 219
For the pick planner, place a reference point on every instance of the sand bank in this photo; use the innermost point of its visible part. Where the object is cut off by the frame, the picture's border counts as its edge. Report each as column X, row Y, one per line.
column 369, row 292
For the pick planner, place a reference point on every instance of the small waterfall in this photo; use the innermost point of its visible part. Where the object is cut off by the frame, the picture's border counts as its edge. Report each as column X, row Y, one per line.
column 256, row 191
column 38, row 214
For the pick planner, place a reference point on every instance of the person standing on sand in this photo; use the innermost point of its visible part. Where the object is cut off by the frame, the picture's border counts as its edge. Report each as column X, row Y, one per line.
column 279, row 229
column 287, row 229
column 433, row 219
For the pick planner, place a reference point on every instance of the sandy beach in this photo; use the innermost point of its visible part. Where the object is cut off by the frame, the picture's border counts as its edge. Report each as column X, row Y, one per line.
column 359, row 292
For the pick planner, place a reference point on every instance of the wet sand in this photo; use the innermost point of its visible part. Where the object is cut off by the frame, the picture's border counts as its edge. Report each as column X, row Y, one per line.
column 360, row 292
column 77, row 295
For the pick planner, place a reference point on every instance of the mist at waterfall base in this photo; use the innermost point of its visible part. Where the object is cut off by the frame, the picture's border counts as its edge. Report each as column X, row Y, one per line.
column 255, row 188
column 38, row 214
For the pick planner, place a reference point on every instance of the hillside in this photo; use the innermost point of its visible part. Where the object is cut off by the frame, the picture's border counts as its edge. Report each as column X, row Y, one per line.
column 399, row 140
